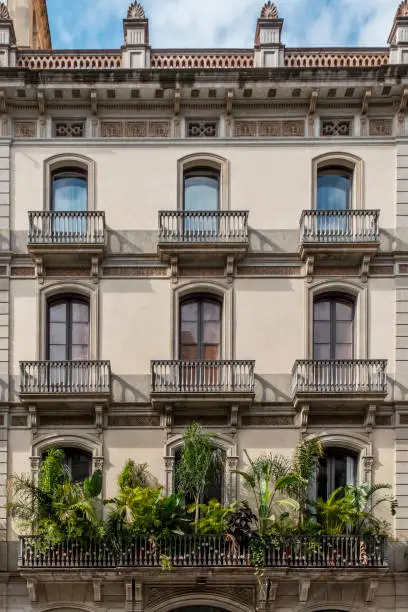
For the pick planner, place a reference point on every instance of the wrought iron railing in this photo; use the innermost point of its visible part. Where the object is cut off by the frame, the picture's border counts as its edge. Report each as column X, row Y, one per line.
column 348, row 551
column 203, row 376
column 203, row 226
column 329, row 226
column 42, row 377
column 49, row 227
column 340, row 376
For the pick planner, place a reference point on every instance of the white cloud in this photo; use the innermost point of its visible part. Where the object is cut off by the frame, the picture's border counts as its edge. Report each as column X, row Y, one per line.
column 226, row 23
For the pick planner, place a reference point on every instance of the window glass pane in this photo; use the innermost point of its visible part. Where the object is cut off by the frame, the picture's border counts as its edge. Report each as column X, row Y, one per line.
column 69, row 193
column 322, row 332
column 211, row 332
column 79, row 464
column 58, row 333
column 344, row 333
column 333, row 191
column 189, row 352
column 201, row 193
column 336, row 469
column 58, row 312
column 322, row 310
column 344, row 311
column 57, row 352
column 80, row 312
column 211, row 311
column 211, row 352
column 80, row 333
column 189, row 333
column 80, row 352
column 321, row 351
column 189, row 311
column 344, row 351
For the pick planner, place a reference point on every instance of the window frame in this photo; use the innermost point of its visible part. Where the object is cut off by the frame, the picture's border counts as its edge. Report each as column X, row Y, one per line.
column 66, row 172
column 67, row 299
column 330, row 452
column 70, row 162
column 348, row 163
column 204, row 172
column 222, row 473
column 212, row 163
column 72, row 450
column 337, row 171
column 200, row 299
column 333, row 299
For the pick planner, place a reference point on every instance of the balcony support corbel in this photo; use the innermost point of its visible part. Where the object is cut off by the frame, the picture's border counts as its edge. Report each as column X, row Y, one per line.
column 401, row 111
column 174, row 271
column 177, row 106
column 32, row 417
column 364, row 109
column 369, row 420
column 138, row 602
column 371, row 590
column 39, row 269
column 128, row 596
column 229, row 108
column 303, row 418
column 32, row 590
column 99, row 418
column 311, row 116
column 234, row 419
column 365, row 268
column 304, row 587
column 95, row 268
column 168, row 419
column 229, row 269
column 310, row 268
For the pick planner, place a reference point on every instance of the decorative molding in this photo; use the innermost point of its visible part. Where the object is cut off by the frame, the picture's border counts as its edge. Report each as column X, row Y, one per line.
column 25, row 129
column 270, row 129
column 380, row 127
column 136, row 11
column 371, row 590
column 268, row 271
column 258, row 420
column 73, row 272
column 32, row 590
column 58, row 419
column 269, row 11
column 246, row 129
column 336, row 127
column 201, row 129
column 154, row 594
column 97, row 590
column 4, row 14
column 136, row 129
column 201, row 272
column 142, row 420
column 19, row 420
column 304, row 587
column 69, row 129
column 22, row 271
column 136, row 272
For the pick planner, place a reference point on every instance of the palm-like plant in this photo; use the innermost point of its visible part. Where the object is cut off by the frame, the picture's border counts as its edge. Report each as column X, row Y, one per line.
column 265, row 478
column 364, row 499
column 336, row 512
column 305, row 464
column 199, row 463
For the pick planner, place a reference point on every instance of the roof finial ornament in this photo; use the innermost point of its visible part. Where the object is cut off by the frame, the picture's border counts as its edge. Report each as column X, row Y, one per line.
column 136, row 11
column 269, row 11
column 4, row 14
column 402, row 10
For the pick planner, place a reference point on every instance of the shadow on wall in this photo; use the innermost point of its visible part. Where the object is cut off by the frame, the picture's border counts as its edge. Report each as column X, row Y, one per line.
column 126, row 242
column 265, row 391
column 264, row 243
column 132, row 389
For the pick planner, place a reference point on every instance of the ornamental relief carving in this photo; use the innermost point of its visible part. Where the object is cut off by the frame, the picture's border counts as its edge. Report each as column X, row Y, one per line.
column 25, row 129
column 135, row 129
column 380, row 127
column 270, row 129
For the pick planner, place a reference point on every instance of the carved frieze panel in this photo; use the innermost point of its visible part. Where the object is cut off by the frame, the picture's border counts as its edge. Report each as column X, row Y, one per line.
column 19, row 420
column 71, row 420
column 215, row 420
column 270, row 129
column 25, row 129
column 135, row 129
column 383, row 420
column 154, row 594
column 23, row 271
column 260, row 420
column 336, row 127
column 268, row 271
column 138, row 272
column 380, row 127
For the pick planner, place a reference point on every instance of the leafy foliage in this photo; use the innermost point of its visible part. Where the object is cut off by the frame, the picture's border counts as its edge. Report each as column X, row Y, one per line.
column 213, row 518
column 135, row 475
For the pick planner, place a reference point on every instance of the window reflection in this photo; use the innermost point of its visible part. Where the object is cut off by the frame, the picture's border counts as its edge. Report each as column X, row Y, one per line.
column 333, row 323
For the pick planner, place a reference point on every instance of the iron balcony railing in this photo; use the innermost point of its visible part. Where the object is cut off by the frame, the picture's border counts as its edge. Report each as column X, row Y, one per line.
column 61, row 228
column 333, row 226
column 203, row 227
column 49, row 377
column 203, row 376
column 348, row 551
column 340, row 376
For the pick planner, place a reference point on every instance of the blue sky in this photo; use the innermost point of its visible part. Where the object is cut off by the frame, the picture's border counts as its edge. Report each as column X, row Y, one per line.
column 221, row 23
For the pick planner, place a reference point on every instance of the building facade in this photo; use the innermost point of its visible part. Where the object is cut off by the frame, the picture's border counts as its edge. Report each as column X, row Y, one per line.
column 219, row 236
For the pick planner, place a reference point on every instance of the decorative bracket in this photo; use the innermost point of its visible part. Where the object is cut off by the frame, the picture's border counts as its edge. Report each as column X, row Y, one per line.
column 369, row 420
column 304, row 586
column 174, row 269
column 95, row 269
column 94, row 102
column 39, row 269
column 41, row 102
column 32, row 590
column 230, row 101
column 177, row 102
column 304, row 417
column 402, row 108
column 312, row 111
column 371, row 590
column 3, row 102
column 32, row 415
column 229, row 269
column 366, row 100
column 365, row 268
column 97, row 589
column 99, row 418
column 168, row 418
column 129, row 596
column 138, row 605
column 310, row 268
column 234, row 418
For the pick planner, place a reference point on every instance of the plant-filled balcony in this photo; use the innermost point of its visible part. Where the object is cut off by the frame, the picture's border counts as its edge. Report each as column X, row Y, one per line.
column 281, row 527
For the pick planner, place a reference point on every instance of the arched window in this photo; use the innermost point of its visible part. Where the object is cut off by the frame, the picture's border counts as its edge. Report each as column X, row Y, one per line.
column 201, row 189
column 68, row 329
column 334, row 188
column 200, row 328
column 337, row 468
column 333, row 327
column 69, row 190
column 78, row 463
column 214, row 490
